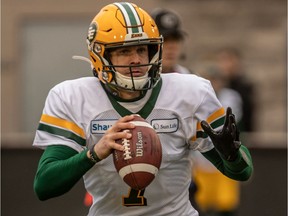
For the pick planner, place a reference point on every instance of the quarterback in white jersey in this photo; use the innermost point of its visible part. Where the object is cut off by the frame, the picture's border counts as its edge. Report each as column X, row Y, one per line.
column 82, row 118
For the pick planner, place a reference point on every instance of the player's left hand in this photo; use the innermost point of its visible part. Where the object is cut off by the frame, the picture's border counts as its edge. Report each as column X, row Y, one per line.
column 226, row 141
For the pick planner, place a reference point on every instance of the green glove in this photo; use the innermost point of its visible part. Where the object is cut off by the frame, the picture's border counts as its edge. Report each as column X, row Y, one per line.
column 226, row 141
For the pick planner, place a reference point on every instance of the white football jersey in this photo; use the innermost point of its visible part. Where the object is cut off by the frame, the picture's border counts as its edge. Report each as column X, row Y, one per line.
column 78, row 112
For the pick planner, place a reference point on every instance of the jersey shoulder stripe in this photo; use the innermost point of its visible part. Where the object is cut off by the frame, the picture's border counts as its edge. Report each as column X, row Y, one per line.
column 218, row 114
column 63, row 128
column 62, row 123
column 216, row 120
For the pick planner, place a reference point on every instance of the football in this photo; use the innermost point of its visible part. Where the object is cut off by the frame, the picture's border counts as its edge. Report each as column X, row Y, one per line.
column 140, row 161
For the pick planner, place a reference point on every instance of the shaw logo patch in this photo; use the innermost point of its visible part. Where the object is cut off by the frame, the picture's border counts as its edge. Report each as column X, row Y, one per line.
column 101, row 126
column 165, row 125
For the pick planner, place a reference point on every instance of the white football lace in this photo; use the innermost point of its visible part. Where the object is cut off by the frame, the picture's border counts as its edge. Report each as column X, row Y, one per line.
column 127, row 152
column 83, row 59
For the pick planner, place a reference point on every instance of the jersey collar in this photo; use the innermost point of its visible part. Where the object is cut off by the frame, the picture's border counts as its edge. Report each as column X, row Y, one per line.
column 147, row 108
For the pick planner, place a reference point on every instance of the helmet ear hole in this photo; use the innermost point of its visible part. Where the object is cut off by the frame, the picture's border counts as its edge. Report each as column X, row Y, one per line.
column 97, row 69
column 93, row 59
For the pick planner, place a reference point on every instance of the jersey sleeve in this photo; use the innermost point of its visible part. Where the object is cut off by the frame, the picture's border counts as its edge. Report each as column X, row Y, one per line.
column 58, row 125
column 210, row 110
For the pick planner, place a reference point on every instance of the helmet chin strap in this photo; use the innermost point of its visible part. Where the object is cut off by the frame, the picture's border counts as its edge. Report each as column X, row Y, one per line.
column 131, row 83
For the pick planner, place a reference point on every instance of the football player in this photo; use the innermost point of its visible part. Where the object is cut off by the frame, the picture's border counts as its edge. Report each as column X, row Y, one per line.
column 83, row 118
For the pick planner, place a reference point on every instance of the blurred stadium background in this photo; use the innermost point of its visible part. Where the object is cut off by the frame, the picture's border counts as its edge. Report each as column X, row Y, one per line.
column 39, row 39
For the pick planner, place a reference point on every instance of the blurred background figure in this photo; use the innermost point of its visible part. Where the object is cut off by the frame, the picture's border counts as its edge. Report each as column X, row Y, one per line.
column 231, row 68
column 217, row 195
column 226, row 95
column 169, row 25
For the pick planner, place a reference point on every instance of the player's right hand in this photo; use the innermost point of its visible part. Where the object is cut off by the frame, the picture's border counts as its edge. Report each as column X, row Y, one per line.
column 107, row 143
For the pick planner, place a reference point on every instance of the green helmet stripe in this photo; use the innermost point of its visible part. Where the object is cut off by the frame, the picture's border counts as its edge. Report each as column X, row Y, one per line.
column 131, row 17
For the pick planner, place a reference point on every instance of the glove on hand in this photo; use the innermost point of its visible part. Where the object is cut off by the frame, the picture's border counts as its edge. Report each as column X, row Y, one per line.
column 226, row 141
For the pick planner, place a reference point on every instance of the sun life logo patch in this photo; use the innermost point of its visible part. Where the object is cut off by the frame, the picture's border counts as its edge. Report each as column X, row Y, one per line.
column 165, row 125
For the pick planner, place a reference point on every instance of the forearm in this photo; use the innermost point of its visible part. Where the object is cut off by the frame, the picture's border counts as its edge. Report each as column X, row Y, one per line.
column 240, row 169
column 59, row 169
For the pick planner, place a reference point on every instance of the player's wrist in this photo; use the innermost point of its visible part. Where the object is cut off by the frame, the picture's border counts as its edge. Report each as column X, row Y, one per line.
column 92, row 155
column 231, row 154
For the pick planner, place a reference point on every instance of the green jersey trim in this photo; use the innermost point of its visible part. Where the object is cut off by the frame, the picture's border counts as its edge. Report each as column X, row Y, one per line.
column 146, row 110
column 215, row 124
column 61, row 132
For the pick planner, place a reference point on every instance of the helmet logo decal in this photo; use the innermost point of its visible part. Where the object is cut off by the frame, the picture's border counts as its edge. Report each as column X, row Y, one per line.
column 136, row 35
column 97, row 48
column 92, row 32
